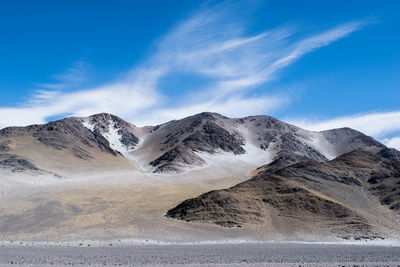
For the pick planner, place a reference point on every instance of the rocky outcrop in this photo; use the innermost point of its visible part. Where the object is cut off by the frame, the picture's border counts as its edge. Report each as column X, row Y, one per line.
column 199, row 133
column 4, row 146
column 15, row 163
column 211, row 137
column 300, row 190
column 290, row 145
column 174, row 159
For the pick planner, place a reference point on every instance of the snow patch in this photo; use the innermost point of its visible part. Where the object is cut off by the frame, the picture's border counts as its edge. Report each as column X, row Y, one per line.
column 112, row 136
column 254, row 157
column 88, row 125
column 320, row 144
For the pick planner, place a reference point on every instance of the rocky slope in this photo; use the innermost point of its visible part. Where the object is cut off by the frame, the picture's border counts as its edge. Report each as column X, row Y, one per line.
column 70, row 143
column 16, row 164
column 348, row 197
column 177, row 145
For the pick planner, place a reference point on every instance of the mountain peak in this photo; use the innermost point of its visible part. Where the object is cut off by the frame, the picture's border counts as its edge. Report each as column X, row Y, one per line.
column 212, row 116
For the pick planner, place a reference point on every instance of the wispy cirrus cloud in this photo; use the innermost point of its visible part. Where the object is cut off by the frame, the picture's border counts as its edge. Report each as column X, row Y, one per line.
column 75, row 76
column 214, row 43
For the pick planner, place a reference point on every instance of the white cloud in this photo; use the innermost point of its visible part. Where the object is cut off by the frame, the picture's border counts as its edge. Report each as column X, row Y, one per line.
column 376, row 124
column 213, row 43
column 392, row 142
column 121, row 98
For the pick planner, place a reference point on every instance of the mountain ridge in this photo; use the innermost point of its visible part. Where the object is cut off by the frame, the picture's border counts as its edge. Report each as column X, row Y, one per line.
column 179, row 145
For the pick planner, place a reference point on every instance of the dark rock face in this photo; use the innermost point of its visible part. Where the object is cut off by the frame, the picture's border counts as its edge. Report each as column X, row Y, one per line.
column 82, row 154
column 219, row 207
column 128, row 139
column 16, row 164
column 282, row 162
column 199, row 133
column 212, row 137
column 266, row 129
column 391, row 154
column 309, row 170
column 175, row 158
column 386, row 184
column 291, row 190
column 70, row 132
column 17, row 131
column 290, row 145
column 4, row 146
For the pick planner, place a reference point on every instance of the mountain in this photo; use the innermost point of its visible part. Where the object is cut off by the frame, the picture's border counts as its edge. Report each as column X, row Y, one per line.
column 352, row 195
column 101, row 176
column 105, row 141
column 95, row 142
column 178, row 145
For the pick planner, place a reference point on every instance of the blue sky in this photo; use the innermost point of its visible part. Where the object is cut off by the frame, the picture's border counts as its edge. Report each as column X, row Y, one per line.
column 317, row 64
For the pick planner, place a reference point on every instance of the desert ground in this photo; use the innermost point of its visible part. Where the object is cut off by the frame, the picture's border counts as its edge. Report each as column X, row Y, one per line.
column 125, row 204
column 98, row 220
column 249, row 254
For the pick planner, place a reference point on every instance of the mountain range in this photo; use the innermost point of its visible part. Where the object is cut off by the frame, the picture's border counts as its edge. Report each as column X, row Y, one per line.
column 226, row 177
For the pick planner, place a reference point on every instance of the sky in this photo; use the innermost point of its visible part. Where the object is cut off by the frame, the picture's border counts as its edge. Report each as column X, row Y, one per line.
column 315, row 64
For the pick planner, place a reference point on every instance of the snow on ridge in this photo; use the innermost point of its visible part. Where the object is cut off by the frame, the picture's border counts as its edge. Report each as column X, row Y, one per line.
column 320, row 144
column 254, row 156
column 112, row 136
column 88, row 125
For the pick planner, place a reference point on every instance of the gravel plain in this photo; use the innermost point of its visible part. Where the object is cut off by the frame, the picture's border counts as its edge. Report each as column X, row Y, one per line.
column 253, row 254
